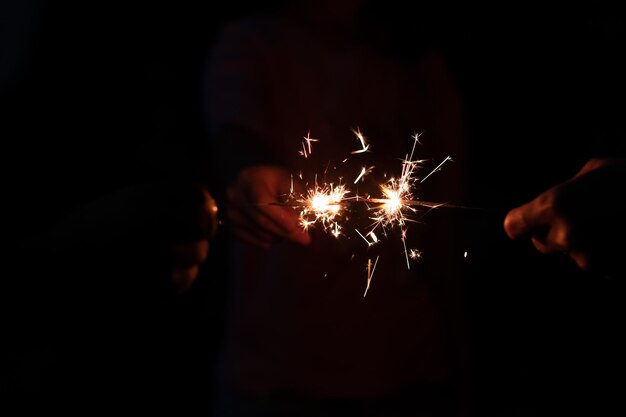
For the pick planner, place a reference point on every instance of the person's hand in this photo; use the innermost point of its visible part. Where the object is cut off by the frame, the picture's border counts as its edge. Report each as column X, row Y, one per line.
column 161, row 229
column 253, row 217
column 584, row 217
column 187, row 254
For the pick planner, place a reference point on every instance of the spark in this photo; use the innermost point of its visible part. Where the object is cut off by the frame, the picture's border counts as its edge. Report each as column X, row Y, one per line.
column 364, row 171
column 361, row 138
column 436, row 168
column 306, row 145
column 369, row 242
column 415, row 254
column 308, row 139
column 364, row 238
column 336, row 230
column 370, row 274
column 406, row 254
column 303, row 151
column 416, row 136
column 327, row 166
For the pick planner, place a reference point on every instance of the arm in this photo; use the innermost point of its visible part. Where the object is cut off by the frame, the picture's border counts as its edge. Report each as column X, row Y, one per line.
column 163, row 228
column 241, row 119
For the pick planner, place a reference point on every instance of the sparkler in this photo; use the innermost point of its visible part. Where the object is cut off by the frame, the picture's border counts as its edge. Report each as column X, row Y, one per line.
column 325, row 203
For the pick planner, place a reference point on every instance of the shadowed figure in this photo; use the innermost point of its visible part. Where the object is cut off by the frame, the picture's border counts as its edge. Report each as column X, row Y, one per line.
column 301, row 338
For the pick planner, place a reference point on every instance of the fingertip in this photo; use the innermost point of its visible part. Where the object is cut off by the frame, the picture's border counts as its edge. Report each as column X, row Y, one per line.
column 212, row 209
column 511, row 224
column 301, row 237
column 581, row 259
column 187, row 254
column 541, row 246
column 306, row 239
column 183, row 278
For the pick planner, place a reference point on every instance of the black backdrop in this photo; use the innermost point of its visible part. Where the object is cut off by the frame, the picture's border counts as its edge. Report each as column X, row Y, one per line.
column 95, row 97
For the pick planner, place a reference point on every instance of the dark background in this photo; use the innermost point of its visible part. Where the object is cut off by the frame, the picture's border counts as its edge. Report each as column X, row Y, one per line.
column 99, row 96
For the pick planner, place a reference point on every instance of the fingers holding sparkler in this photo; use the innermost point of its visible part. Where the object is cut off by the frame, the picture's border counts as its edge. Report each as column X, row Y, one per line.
column 520, row 221
column 558, row 219
column 251, row 209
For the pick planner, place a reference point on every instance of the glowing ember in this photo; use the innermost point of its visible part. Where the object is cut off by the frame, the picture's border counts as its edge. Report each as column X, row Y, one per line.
column 306, row 145
column 361, row 138
column 323, row 204
column 394, row 204
column 370, row 274
column 364, row 172
column 415, row 254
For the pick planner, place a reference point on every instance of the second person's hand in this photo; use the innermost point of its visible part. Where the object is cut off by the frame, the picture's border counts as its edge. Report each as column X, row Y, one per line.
column 253, row 217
